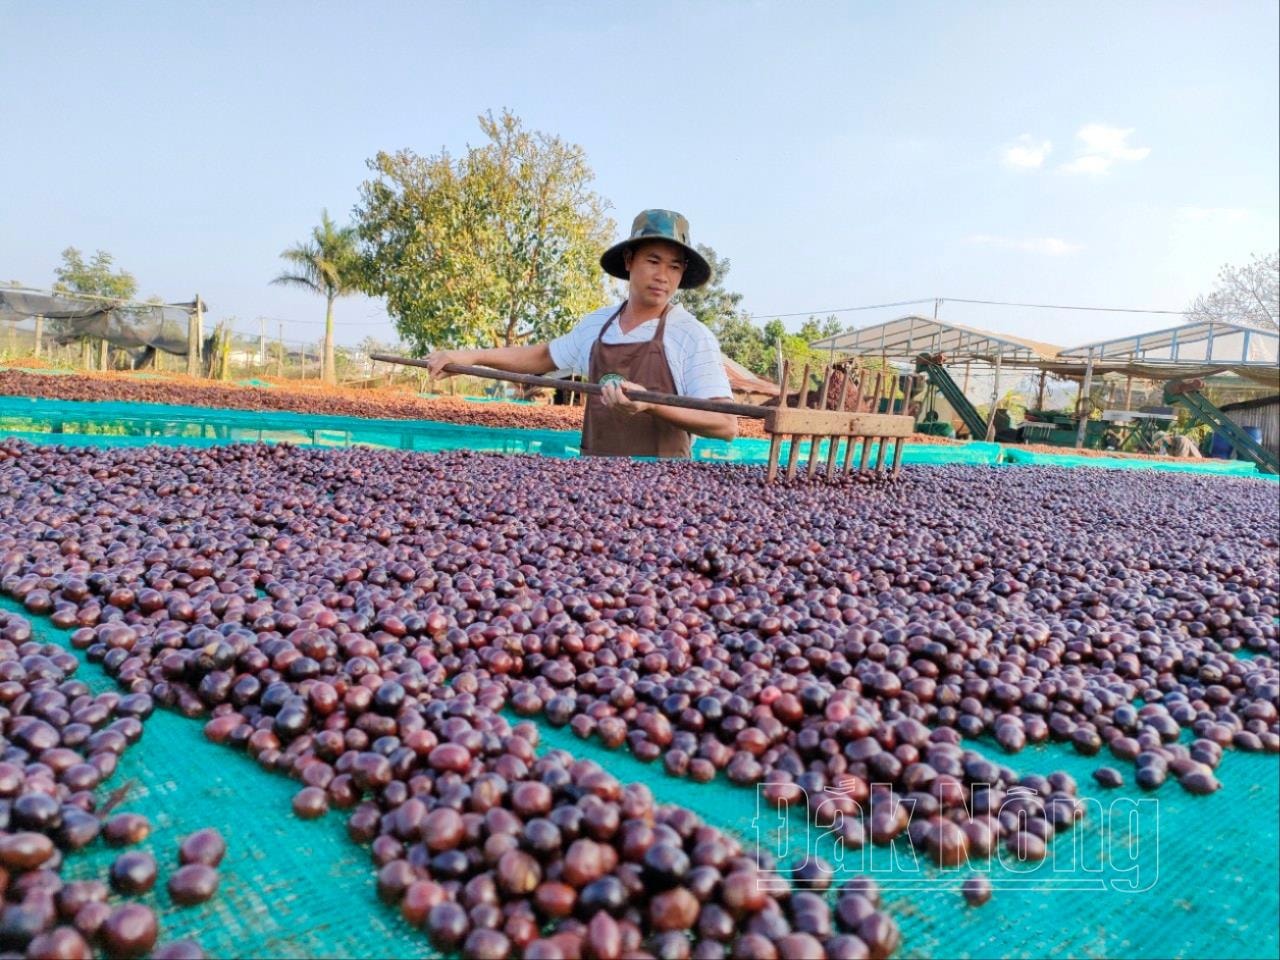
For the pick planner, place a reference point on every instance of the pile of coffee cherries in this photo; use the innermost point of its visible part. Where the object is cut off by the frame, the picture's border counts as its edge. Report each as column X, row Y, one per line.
column 366, row 620
column 60, row 743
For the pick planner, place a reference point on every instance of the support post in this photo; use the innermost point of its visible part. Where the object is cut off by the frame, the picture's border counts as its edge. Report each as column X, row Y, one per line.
column 104, row 355
column 995, row 399
column 193, row 340
column 262, row 342
column 1128, row 392
column 199, row 335
column 1082, row 412
column 1040, row 394
column 39, row 333
column 280, row 350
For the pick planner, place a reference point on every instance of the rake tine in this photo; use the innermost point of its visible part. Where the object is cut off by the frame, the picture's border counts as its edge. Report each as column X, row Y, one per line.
column 814, row 443
column 880, row 451
column 833, row 447
column 866, row 454
column 775, row 440
column 897, row 456
column 792, row 455
column 848, row 452
column 771, row 471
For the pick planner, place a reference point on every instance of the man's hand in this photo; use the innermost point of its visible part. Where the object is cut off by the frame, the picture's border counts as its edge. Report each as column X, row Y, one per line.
column 438, row 359
column 615, row 399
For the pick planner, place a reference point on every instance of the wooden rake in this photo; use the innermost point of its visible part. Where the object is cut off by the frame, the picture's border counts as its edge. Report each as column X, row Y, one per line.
column 858, row 428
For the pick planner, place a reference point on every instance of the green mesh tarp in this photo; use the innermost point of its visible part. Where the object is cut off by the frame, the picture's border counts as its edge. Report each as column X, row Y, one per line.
column 1204, row 868
column 1226, row 468
column 290, row 888
column 112, row 423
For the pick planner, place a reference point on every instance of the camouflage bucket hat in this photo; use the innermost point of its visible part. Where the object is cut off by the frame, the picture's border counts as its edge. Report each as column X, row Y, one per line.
column 659, row 225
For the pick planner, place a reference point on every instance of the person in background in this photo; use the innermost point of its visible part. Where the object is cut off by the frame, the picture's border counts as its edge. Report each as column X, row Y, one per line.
column 644, row 342
column 1176, row 445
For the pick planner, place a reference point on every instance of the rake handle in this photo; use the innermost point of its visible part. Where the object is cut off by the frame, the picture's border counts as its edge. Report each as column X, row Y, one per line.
column 645, row 396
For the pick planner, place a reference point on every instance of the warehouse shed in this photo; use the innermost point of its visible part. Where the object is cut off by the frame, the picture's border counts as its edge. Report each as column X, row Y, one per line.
column 1263, row 413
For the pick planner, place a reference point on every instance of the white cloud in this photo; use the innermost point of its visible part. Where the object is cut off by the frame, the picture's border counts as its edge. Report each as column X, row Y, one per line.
column 1048, row 246
column 1213, row 214
column 1026, row 153
column 1101, row 147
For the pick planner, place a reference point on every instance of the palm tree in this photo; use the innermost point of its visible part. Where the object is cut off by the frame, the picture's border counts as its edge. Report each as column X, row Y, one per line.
column 327, row 264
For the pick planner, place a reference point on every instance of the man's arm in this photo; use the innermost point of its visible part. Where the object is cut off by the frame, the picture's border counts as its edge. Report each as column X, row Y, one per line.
column 534, row 358
column 717, row 426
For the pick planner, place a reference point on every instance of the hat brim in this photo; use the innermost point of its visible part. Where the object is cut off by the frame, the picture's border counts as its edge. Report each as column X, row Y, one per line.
column 697, row 272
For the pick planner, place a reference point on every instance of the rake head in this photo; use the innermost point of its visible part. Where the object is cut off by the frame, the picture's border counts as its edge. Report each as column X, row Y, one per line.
column 852, row 414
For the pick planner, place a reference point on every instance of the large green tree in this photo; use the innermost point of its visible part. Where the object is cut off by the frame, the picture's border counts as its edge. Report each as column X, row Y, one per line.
column 327, row 264
column 496, row 247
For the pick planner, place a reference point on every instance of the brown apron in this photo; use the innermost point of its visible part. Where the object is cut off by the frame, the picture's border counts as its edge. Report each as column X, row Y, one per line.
column 611, row 433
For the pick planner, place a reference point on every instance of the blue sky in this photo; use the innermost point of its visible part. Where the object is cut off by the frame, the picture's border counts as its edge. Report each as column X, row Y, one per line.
column 837, row 153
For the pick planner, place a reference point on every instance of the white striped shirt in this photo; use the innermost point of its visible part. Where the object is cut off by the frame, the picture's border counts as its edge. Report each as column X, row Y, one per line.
column 692, row 352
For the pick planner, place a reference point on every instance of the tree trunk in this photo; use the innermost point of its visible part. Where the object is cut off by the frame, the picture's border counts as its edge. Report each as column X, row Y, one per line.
column 328, row 372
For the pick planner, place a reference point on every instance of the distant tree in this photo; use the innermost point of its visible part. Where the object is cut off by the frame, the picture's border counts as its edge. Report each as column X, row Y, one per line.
column 796, row 350
column 328, row 264
column 1247, row 295
column 371, row 344
column 718, row 308
column 95, row 277
column 711, row 303
column 496, row 247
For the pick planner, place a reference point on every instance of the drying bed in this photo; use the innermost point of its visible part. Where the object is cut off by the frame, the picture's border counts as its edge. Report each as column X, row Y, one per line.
column 820, row 640
column 119, row 423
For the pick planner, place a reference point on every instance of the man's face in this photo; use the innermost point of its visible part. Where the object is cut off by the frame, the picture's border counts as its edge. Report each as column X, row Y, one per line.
column 656, row 270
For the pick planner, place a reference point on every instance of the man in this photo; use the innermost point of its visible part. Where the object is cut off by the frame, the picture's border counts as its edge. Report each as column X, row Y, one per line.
column 646, row 340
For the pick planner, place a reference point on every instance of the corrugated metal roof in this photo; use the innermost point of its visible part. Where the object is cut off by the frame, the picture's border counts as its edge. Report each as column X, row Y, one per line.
column 908, row 337
column 1207, row 342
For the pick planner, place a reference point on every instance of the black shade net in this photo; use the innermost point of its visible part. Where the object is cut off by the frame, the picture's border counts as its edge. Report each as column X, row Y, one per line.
column 128, row 326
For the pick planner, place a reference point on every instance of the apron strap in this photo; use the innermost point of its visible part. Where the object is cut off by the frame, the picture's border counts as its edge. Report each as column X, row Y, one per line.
column 662, row 325
column 617, row 313
column 657, row 337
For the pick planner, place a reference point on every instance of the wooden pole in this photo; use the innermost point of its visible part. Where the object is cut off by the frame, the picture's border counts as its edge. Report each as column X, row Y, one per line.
column 1040, row 395
column 1081, row 411
column 1128, row 392
column 995, row 400
column 39, row 333
column 193, row 340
